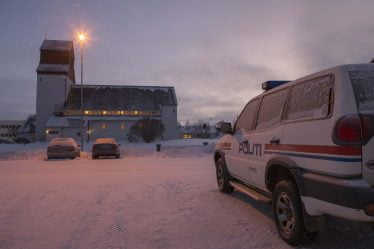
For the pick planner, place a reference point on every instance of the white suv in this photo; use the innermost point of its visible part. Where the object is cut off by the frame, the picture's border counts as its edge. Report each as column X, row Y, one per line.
column 307, row 146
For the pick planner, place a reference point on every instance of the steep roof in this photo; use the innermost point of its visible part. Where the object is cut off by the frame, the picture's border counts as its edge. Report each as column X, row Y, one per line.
column 56, row 45
column 57, row 57
column 113, row 97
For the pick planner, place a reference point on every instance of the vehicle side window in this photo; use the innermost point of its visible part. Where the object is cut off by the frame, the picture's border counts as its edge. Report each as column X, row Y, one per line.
column 310, row 99
column 271, row 107
column 245, row 121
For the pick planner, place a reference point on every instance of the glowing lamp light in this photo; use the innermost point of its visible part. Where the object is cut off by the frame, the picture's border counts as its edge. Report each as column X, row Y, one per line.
column 104, row 112
column 81, row 37
column 136, row 112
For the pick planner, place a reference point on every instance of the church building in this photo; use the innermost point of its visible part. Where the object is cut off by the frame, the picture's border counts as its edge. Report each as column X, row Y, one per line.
column 107, row 110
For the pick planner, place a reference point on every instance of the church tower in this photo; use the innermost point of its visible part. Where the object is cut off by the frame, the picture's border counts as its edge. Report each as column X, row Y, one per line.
column 55, row 76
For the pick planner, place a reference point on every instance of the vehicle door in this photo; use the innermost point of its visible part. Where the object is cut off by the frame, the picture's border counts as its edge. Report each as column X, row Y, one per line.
column 265, row 140
column 237, row 157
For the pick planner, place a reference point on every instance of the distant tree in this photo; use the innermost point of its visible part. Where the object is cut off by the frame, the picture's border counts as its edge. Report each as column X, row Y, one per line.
column 200, row 129
column 147, row 128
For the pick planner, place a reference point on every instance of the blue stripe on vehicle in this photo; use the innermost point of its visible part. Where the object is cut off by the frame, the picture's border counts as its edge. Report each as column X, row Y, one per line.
column 338, row 159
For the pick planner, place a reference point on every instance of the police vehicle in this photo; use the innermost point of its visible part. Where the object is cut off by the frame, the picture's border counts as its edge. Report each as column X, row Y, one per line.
column 307, row 146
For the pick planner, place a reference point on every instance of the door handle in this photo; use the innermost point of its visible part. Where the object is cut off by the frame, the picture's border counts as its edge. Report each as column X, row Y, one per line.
column 275, row 140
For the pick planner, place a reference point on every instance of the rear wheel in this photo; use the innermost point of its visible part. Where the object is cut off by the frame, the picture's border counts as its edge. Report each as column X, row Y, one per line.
column 94, row 157
column 288, row 215
column 223, row 177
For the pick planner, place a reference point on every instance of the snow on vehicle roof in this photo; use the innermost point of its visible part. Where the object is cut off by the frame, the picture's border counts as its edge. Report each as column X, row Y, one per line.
column 62, row 141
column 105, row 141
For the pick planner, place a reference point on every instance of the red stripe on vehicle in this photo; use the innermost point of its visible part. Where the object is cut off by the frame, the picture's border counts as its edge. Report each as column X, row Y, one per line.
column 320, row 149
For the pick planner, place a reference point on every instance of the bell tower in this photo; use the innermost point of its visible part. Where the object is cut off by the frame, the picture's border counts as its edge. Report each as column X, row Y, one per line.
column 55, row 76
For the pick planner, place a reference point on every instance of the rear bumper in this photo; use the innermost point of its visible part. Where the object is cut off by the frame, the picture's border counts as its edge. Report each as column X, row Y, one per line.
column 336, row 196
column 66, row 154
column 104, row 152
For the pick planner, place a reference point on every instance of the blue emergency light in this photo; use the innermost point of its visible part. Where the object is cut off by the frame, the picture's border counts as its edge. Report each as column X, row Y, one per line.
column 270, row 84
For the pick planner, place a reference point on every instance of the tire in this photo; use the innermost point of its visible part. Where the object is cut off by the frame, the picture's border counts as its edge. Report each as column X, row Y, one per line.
column 223, row 177
column 117, row 156
column 94, row 157
column 288, row 215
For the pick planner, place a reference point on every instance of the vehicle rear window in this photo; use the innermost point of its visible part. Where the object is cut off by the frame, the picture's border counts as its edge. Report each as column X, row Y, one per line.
column 245, row 121
column 310, row 99
column 363, row 87
column 270, row 112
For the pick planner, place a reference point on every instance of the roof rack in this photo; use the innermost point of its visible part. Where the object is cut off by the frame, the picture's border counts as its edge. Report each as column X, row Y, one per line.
column 270, row 84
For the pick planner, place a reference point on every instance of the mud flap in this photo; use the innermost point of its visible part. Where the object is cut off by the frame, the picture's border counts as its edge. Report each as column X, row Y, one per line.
column 314, row 223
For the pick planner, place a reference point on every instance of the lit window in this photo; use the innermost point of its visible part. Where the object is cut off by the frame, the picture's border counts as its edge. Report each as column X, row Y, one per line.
column 122, row 125
column 136, row 112
column 104, row 112
column 86, row 112
column 187, row 136
column 122, row 112
column 103, row 126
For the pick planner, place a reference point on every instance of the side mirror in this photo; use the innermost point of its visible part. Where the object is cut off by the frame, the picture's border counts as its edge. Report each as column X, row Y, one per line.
column 224, row 127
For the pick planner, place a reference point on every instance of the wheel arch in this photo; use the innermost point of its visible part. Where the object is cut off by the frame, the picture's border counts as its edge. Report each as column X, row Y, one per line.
column 280, row 168
column 218, row 154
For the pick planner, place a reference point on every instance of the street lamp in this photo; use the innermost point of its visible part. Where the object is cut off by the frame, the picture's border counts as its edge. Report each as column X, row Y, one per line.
column 82, row 38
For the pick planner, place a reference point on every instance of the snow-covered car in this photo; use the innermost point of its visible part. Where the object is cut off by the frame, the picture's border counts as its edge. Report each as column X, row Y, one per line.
column 307, row 146
column 63, row 148
column 105, row 147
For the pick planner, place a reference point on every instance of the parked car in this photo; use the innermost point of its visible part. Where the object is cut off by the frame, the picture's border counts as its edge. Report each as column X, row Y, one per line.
column 63, row 148
column 306, row 146
column 105, row 147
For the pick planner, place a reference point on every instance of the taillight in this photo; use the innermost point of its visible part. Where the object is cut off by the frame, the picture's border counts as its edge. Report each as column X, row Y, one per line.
column 354, row 130
column 367, row 123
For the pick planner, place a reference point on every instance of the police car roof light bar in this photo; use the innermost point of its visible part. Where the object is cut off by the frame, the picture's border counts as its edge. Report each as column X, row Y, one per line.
column 270, row 84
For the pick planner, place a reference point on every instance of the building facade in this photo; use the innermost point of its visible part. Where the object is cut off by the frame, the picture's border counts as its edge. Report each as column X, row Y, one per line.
column 9, row 128
column 106, row 111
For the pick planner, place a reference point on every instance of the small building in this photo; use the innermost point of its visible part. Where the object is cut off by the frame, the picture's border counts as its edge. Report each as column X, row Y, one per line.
column 9, row 128
column 103, row 111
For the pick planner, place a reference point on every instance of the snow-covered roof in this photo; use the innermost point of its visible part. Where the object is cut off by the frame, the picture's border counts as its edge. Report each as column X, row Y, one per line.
column 109, row 97
column 57, row 68
column 60, row 122
column 56, row 45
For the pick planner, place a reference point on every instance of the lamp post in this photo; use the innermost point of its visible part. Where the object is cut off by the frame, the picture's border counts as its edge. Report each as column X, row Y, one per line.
column 81, row 40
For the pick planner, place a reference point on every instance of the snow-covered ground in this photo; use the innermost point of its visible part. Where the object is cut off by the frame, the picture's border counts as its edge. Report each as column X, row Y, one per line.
column 143, row 200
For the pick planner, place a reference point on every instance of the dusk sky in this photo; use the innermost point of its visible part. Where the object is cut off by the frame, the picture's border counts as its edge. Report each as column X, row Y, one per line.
column 215, row 53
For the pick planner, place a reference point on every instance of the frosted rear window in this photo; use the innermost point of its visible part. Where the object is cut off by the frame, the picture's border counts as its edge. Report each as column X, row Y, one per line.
column 271, row 107
column 363, row 87
column 310, row 99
